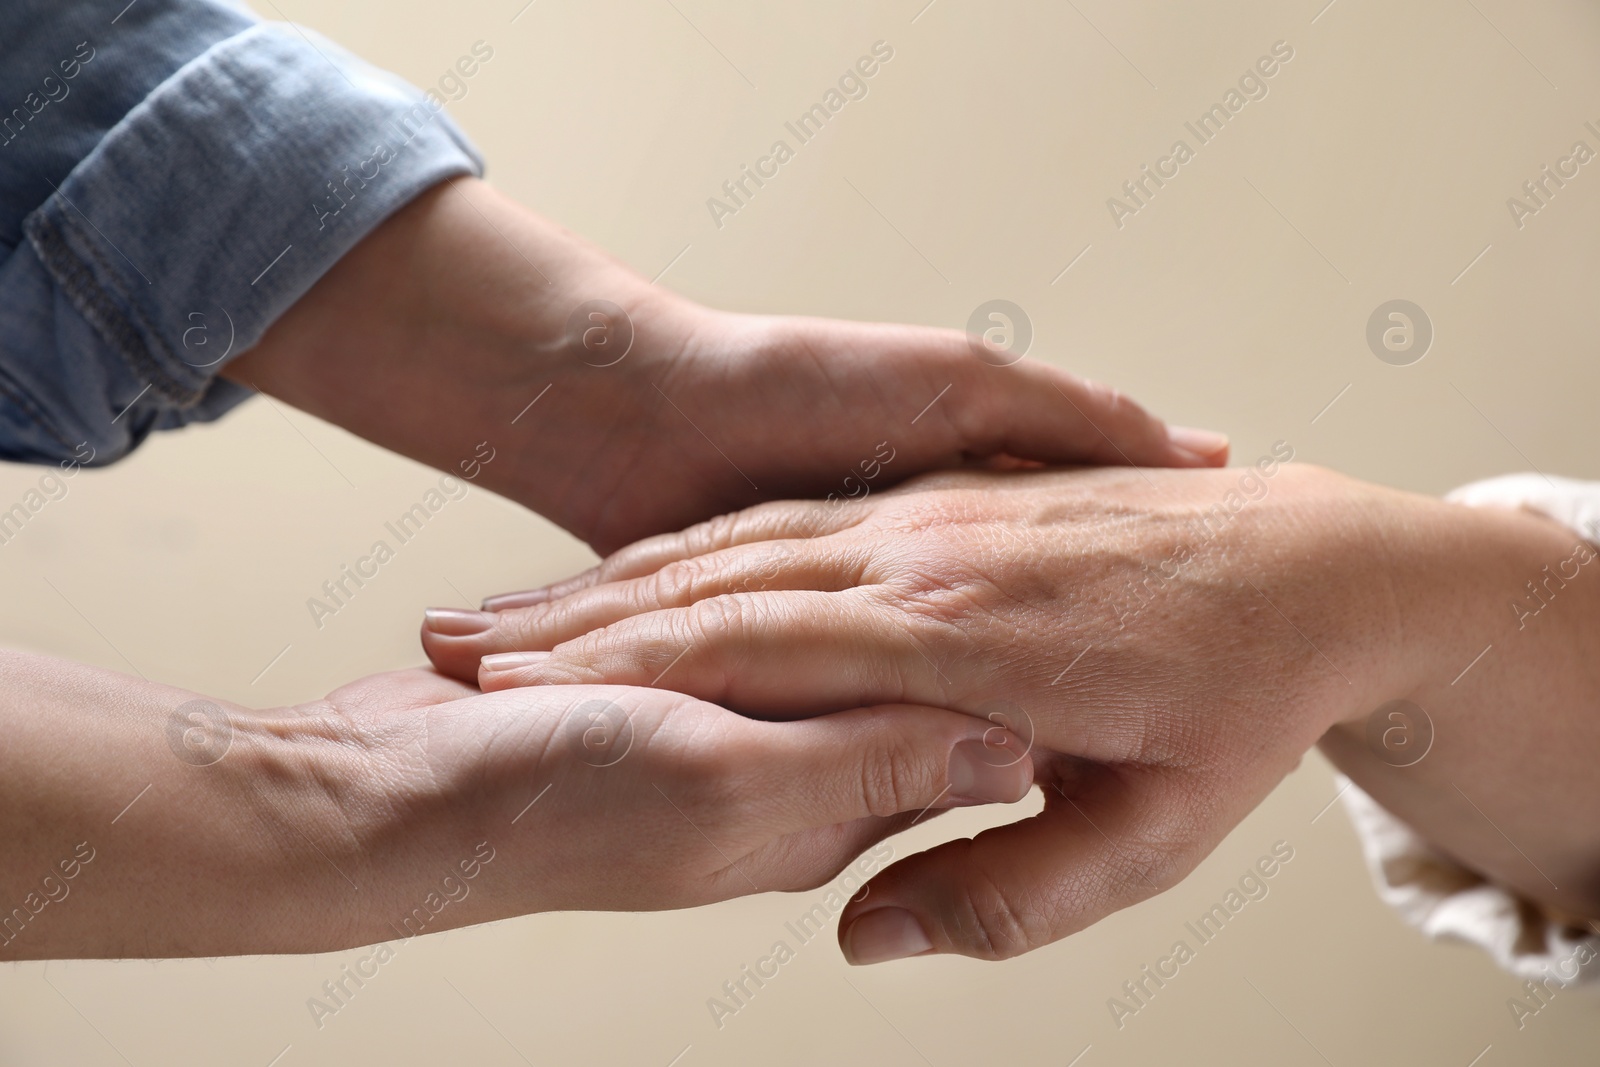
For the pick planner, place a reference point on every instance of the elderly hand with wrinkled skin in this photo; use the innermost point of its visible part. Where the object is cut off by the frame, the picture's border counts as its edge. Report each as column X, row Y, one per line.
column 1170, row 642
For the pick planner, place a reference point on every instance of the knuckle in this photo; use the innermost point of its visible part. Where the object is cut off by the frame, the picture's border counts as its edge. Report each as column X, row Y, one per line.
column 996, row 924
column 1146, row 866
column 522, row 628
column 1105, row 399
column 560, row 670
column 630, row 559
column 1126, row 413
column 891, row 781
column 1116, row 407
column 676, row 582
column 775, row 515
column 980, row 417
column 939, row 591
column 719, row 620
column 616, row 654
column 1167, row 842
column 716, row 532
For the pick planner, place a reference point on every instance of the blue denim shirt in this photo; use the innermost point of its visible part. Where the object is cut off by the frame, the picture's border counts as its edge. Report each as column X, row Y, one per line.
column 172, row 178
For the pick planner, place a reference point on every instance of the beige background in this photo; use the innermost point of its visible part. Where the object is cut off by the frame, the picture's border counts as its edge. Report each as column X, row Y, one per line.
column 1378, row 167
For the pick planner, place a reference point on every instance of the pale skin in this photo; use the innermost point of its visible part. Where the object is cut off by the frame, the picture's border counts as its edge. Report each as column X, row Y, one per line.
column 1168, row 673
column 325, row 823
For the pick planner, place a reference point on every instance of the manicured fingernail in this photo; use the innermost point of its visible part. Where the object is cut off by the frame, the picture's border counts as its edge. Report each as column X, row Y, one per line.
column 988, row 774
column 454, row 622
column 525, row 599
column 1200, row 442
column 882, row 935
column 511, row 661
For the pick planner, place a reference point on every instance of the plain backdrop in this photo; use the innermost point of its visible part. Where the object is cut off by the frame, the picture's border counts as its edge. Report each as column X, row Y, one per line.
column 978, row 167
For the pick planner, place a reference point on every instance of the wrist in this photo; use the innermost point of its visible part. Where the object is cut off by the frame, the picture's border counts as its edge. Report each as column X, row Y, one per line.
column 439, row 332
column 1411, row 588
column 423, row 815
column 1455, row 577
column 1497, row 728
column 194, row 825
column 1332, row 562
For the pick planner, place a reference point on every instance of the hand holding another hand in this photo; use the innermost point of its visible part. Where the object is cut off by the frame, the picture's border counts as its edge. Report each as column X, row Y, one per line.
column 354, row 819
column 619, row 409
column 1169, row 642
column 609, row 798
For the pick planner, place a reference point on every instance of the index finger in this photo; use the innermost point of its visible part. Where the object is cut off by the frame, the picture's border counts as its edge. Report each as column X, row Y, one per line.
column 778, row 520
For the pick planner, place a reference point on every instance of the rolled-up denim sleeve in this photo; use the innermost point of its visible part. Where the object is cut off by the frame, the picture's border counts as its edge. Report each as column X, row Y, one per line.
column 158, row 242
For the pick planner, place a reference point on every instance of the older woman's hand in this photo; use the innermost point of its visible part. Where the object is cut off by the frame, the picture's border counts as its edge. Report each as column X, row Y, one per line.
column 1170, row 642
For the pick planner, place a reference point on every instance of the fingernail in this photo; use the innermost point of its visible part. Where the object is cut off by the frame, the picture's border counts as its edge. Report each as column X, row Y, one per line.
column 882, row 935
column 511, row 661
column 988, row 774
column 454, row 622
column 1200, row 442
column 525, row 599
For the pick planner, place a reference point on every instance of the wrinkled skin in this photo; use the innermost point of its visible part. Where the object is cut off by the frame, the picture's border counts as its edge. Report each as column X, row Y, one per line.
column 1088, row 610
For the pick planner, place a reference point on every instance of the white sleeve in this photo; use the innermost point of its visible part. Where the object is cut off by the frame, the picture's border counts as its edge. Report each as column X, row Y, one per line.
column 1436, row 894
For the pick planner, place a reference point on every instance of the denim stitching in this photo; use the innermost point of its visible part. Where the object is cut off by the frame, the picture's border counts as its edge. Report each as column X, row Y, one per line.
column 120, row 327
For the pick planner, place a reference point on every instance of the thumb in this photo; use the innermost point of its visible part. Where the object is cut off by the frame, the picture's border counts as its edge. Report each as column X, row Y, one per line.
column 1018, row 887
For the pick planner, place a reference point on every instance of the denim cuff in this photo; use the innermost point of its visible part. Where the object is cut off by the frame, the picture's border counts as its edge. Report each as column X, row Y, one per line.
column 213, row 206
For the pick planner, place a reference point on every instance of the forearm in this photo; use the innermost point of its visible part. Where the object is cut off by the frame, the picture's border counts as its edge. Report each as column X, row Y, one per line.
column 435, row 335
column 143, row 820
column 300, row 147
column 437, row 331
column 187, row 858
column 467, row 326
column 1507, row 786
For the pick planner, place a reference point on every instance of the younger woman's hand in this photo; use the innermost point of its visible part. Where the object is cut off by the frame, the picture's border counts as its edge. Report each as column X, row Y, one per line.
column 408, row 803
column 471, row 334
column 616, row 798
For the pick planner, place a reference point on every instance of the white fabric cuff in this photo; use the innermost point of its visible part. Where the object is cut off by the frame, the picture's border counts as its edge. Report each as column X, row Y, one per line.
column 1436, row 894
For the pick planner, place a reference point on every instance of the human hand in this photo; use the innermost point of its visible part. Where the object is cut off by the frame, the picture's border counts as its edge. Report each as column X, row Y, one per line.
column 440, row 334
column 408, row 803
column 1169, row 642
column 611, row 798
